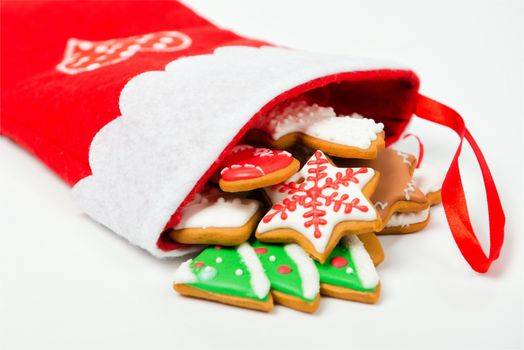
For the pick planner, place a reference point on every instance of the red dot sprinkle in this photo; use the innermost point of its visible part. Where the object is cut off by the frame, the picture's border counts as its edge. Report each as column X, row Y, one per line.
column 338, row 262
column 261, row 250
column 284, row 269
column 218, row 247
column 199, row 264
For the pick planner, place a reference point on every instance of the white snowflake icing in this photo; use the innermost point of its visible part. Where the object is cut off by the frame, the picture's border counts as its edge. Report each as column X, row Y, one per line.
column 327, row 196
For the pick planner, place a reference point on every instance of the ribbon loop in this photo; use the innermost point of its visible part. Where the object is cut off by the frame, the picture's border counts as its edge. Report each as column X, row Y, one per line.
column 453, row 198
column 420, row 147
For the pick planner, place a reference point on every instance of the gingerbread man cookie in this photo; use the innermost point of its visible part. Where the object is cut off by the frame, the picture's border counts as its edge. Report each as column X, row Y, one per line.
column 320, row 128
column 429, row 180
column 247, row 168
column 396, row 191
column 227, row 275
column 320, row 204
column 292, row 274
column 349, row 273
column 216, row 218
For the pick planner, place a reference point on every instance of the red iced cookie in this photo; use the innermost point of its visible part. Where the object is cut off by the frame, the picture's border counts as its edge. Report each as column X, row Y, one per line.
column 247, row 168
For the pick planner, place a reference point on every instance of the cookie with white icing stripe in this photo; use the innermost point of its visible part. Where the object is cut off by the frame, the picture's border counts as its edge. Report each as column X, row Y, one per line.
column 396, row 191
column 320, row 204
column 349, row 273
column 292, row 274
column 228, row 275
column 320, row 128
column 247, row 168
column 216, row 218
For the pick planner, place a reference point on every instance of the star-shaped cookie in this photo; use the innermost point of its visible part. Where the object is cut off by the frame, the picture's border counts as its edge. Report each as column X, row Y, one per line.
column 320, row 204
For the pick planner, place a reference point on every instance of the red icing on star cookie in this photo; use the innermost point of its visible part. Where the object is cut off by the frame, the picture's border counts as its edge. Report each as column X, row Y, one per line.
column 261, row 250
column 199, row 264
column 248, row 162
column 316, row 197
column 284, row 269
column 338, row 262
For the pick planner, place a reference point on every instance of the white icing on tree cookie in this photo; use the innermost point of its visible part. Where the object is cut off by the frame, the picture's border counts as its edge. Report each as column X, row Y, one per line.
column 259, row 281
column 306, row 268
column 184, row 274
column 321, row 123
column 217, row 211
column 366, row 269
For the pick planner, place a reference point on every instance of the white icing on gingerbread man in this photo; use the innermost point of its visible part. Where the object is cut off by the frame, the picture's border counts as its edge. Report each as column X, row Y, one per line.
column 409, row 188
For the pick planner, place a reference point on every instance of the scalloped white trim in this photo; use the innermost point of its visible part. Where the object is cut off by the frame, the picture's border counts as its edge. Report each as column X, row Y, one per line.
column 146, row 162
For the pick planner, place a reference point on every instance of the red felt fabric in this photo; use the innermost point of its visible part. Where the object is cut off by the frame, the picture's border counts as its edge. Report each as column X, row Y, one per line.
column 55, row 115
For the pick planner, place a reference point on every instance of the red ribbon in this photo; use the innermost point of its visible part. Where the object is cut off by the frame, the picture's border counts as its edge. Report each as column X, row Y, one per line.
column 420, row 147
column 453, row 199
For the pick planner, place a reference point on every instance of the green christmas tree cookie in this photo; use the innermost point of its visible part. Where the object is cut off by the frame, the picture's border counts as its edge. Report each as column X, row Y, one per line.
column 292, row 273
column 349, row 273
column 230, row 275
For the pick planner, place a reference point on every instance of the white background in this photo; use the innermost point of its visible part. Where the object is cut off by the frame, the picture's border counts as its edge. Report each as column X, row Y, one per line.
column 66, row 282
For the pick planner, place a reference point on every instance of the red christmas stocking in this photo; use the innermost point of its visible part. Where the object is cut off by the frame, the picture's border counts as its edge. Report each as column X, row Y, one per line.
column 136, row 103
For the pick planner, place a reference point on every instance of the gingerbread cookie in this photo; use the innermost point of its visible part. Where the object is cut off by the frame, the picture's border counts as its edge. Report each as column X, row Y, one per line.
column 396, row 191
column 227, row 275
column 411, row 222
column 217, row 218
column 320, row 204
column 373, row 246
column 429, row 179
column 349, row 273
column 321, row 129
column 292, row 274
column 247, row 168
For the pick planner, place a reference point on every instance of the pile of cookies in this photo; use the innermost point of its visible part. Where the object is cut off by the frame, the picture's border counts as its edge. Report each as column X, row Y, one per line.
column 298, row 219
